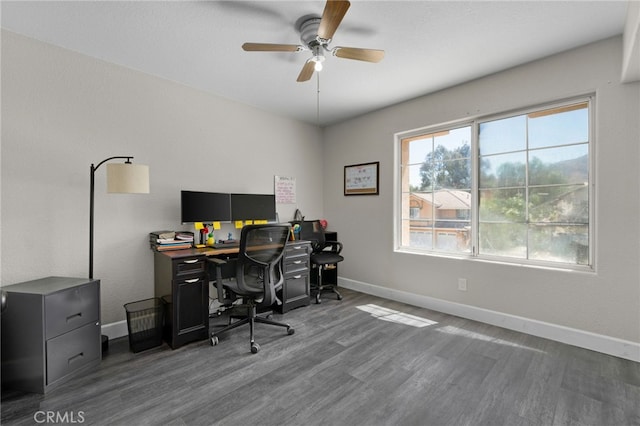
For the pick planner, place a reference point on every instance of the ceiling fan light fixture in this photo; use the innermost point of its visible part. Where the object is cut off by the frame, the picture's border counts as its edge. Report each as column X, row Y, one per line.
column 318, row 59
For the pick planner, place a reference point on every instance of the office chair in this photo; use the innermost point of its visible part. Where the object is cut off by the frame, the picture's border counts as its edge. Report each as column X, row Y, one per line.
column 325, row 253
column 258, row 276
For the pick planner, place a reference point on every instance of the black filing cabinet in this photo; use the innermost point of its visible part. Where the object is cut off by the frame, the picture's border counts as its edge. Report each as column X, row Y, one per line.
column 183, row 284
column 50, row 332
column 295, row 290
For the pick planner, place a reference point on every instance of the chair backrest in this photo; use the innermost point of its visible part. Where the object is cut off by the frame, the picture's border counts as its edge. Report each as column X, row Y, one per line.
column 312, row 230
column 260, row 259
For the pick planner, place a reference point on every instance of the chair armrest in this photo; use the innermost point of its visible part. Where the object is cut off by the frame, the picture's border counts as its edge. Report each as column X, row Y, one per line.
column 216, row 261
column 336, row 246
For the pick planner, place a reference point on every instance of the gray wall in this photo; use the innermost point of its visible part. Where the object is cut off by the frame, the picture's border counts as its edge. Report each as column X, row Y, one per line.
column 62, row 111
column 606, row 302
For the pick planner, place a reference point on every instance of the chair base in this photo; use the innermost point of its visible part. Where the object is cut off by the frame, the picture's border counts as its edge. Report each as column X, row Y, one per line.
column 319, row 289
column 251, row 318
column 320, row 286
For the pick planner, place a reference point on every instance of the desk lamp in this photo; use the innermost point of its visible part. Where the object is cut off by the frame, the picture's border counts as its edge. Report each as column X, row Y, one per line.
column 124, row 178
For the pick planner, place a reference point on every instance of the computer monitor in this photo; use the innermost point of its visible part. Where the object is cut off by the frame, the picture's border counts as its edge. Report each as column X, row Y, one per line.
column 253, row 207
column 198, row 206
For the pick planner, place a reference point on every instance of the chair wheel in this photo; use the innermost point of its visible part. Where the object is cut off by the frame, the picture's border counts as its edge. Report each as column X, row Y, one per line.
column 290, row 331
column 339, row 297
column 318, row 298
column 255, row 348
column 214, row 340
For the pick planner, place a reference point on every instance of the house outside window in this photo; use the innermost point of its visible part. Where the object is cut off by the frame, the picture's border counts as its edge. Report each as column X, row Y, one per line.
column 510, row 187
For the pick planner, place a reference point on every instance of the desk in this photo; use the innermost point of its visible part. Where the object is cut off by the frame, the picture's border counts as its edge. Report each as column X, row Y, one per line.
column 181, row 279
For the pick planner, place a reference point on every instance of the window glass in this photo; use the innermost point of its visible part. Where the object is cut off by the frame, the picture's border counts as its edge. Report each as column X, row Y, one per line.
column 507, row 134
column 559, row 126
column 503, row 170
column 528, row 198
column 567, row 164
column 436, row 188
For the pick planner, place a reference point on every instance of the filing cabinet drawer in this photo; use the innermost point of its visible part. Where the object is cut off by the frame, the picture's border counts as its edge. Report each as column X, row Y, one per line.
column 296, row 287
column 71, row 308
column 189, row 265
column 72, row 351
column 296, row 249
column 296, row 265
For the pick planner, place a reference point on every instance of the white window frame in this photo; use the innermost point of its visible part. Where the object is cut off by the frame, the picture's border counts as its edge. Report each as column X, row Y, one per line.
column 474, row 123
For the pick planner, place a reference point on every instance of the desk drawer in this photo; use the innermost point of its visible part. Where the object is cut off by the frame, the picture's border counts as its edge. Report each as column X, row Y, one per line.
column 72, row 308
column 189, row 265
column 296, row 249
column 296, row 287
column 296, row 266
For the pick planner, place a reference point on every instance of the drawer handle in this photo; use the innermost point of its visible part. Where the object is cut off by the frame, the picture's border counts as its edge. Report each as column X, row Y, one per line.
column 190, row 261
column 75, row 357
column 194, row 280
column 297, row 262
column 297, row 247
column 74, row 316
column 296, row 277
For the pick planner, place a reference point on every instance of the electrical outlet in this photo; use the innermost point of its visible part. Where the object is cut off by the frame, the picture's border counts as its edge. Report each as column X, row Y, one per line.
column 462, row 284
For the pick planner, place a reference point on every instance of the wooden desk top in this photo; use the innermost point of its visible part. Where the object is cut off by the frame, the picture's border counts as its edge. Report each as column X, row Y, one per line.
column 206, row 251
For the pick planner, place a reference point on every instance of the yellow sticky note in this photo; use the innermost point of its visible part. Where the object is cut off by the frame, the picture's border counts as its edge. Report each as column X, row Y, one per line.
column 198, row 225
column 249, row 222
column 260, row 222
column 239, row 224
column 216, row 225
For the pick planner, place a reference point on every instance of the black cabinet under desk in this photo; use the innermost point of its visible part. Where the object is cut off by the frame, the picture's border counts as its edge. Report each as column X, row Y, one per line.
column 182, row 282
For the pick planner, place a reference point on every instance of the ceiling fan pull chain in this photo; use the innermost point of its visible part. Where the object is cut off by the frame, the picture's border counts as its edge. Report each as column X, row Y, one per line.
column 318, row 99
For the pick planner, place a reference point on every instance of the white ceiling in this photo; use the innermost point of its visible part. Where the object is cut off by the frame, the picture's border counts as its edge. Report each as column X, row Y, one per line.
column 429, row 45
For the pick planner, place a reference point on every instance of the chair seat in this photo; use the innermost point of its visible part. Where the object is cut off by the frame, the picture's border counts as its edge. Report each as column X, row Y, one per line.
column 325, row 258
column 250, row 289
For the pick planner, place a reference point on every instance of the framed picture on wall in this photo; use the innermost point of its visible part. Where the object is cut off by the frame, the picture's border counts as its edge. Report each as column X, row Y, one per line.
column 362, row 179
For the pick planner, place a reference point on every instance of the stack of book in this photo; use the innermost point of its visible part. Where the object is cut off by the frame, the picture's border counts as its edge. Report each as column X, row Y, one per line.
column 170, row 240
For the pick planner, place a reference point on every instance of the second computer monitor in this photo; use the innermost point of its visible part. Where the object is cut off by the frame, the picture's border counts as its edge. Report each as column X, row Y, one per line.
column 253, row 207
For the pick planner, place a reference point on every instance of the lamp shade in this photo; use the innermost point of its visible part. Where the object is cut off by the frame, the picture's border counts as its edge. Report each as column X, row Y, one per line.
column 127, row 178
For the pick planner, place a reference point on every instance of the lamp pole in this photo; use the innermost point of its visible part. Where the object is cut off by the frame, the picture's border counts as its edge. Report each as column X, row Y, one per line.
column 91, row 205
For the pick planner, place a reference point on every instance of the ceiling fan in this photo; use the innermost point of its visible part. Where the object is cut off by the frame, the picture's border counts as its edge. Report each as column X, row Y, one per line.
column 316, row 34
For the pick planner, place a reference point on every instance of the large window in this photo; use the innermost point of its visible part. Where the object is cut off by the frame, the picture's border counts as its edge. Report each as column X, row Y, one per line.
column 513, row 187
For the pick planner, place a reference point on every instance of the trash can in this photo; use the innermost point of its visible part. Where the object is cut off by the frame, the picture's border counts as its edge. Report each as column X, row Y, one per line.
column 144, row 321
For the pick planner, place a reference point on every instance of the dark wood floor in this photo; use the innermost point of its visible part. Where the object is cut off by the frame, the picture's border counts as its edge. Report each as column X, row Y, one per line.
column 349, row 366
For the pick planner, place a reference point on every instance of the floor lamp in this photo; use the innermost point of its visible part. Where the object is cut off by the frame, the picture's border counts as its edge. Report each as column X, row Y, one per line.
column 124, row 178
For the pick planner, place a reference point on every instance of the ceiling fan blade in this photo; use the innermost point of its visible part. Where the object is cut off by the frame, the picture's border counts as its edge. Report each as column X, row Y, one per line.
column 333, row 13
column 307, row 71
column 270, row 47
column 368, row 55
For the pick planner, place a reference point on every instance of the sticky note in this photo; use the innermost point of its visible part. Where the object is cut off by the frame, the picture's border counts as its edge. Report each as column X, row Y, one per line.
column 249, row 222
column 216, row 225
column 239, row 224
column 198, row 225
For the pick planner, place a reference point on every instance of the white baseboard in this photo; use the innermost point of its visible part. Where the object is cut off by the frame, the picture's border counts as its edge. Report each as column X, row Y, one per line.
column 115, row 329
column 584, row 339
